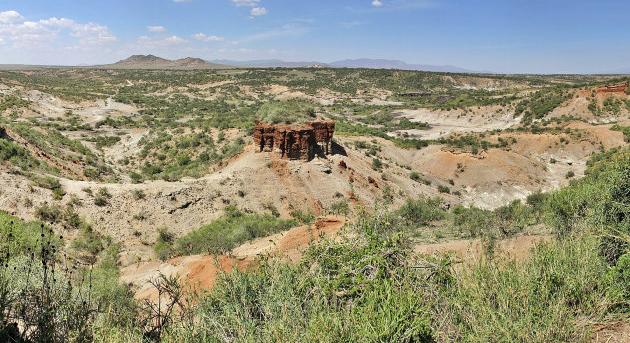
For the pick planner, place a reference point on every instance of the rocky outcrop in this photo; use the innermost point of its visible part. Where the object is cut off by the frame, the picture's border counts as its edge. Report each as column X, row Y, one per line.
column 297, row 141
column 618, row 88
column 323, row 131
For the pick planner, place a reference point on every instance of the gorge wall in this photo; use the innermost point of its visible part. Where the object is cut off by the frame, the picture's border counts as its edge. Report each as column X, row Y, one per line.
column 296, row 141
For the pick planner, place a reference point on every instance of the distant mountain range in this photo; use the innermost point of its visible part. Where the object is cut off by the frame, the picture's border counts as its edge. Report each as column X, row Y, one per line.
column 352, row 63
column 191, row 63
column 396, row 64
column 267, row 64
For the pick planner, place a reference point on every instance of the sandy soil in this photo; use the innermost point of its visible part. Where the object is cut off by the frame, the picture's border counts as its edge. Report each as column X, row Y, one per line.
column 444, row 123
column 201, row 271
column 495, row 177
column 577, row 107
column 185, row 205
column 615, row 332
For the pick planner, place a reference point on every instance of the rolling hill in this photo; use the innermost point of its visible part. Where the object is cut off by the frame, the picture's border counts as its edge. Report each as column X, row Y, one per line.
column 155, row 62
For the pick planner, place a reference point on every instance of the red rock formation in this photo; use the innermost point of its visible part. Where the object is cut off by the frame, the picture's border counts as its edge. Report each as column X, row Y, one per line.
column 264, row 136
column 618, row 88
column 324, row 131
column 299, row 141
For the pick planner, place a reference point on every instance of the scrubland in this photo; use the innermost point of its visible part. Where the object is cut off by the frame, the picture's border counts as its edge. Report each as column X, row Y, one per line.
column 476, row 207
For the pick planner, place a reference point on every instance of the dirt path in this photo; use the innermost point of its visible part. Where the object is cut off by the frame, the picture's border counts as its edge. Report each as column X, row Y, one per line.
column 615, row 332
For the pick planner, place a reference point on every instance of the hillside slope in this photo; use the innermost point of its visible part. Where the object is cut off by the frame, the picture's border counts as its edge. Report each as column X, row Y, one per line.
column 154, row 62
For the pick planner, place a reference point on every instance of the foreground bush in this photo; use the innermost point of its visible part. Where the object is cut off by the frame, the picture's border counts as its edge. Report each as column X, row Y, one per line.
column 601, row 200
column 343, row 292
column 539, row 300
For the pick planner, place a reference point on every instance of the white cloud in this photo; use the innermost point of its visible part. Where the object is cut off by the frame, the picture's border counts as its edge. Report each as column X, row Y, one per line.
column 258, row 11
column 156, row 28
column 30, row 34
column 180, row 1
column 207, row 38
column 174, row 40
column 248, row 3
column 9, row 17
column 377, row 3
column 92, row 33
column 255, row 11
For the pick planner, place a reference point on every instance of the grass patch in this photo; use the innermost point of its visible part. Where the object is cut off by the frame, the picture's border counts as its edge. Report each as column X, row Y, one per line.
column 540, row 299
column 290, row 111
column 229, row 231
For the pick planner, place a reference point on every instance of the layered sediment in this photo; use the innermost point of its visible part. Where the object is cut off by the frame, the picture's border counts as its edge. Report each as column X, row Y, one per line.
column 296, row 141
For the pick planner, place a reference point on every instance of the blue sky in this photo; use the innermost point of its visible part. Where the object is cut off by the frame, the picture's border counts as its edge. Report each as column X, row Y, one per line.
column 553, row 36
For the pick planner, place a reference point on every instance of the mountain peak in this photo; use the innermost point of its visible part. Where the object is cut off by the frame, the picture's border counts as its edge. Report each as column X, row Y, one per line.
column 155, row 62
column 141, row 59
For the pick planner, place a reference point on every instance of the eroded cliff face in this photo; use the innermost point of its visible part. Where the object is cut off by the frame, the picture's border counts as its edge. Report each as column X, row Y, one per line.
column 295, row 142
column 618, row 88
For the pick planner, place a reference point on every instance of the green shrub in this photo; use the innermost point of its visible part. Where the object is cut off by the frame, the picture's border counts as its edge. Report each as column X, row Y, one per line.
column 421, row 212
column 540, row 299
column 135, row 177
column 164, row 246
column 513, row 218
column 20, row 157
column 444, row 189
column 101, row 198
column 472, row 221
column 601, row 199
column 536, row 200
column 51, row 183
column 377, row 164
column 49, row 213
column 541, row 103
column 138, row 194
column 344, row 292
column 90, row 241
column 229, row 231
column 290, row 111
column 619, row 279
column 303, row 217
column 415, row 176
column 18, row 236
column 340, row 208
column 624, row 129
column 71, row 219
